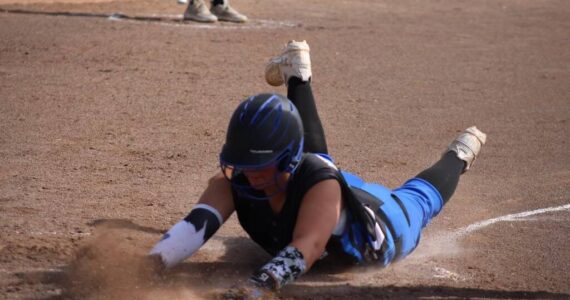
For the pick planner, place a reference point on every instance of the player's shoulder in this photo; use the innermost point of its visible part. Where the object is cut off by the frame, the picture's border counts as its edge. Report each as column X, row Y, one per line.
column 318, row 161
column 312, row 169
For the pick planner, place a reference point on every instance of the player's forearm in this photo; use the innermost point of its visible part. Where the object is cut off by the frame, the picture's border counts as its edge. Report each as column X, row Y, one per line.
column 188, row 235
column 312, row 248
column 286, row 266
column 291, row 262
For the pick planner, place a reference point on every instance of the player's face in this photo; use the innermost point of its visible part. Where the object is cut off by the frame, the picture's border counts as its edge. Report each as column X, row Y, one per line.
column 268, row 179
column 261, row 179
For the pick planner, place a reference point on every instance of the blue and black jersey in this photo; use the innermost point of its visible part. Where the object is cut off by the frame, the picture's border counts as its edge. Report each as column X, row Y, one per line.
column 397, row 215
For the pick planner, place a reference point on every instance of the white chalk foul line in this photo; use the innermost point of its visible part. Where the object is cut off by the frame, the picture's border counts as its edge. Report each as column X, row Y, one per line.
column 177, row 21
column 511, row 217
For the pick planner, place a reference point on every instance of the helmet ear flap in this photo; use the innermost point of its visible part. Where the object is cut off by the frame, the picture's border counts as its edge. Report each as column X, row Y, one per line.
column 289, row 161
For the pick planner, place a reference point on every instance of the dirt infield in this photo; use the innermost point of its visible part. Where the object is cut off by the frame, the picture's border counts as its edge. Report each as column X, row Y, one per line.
column 112, row 115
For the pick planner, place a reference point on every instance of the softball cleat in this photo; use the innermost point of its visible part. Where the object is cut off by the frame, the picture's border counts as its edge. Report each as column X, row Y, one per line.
column 224, row 12
column 468, row 145
column 199, row 12
column 293, row 61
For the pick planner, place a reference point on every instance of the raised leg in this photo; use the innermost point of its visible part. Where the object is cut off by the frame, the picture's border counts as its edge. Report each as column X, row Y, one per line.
column 293, row 68
column 459, row 157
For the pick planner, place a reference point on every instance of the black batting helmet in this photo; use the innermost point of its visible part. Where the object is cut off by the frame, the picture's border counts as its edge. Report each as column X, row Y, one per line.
column 265, row 129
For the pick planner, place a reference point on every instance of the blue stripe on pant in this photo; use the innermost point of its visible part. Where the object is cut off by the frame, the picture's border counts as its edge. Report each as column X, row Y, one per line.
column 405, row 215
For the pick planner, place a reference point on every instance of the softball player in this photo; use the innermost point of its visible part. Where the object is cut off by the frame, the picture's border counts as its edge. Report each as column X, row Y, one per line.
column 291, row 198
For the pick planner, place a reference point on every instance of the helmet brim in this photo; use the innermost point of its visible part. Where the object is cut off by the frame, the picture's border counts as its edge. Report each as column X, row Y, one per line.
column 250, row 159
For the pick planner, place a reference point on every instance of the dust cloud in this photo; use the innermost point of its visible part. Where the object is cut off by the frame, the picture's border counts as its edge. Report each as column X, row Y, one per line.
column 112, row 264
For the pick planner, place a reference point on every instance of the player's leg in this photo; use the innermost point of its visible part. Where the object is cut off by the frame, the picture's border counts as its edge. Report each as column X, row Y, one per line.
column 293, row 68
column 460, row 155
column 301, row 94
column 444, row 174
column 422, row 198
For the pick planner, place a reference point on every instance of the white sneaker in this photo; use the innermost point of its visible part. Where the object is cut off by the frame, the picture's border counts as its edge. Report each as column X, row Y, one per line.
column 294, row 60
column 225, row 12
column 182, row 1
column 198, row 11
column 468, row 145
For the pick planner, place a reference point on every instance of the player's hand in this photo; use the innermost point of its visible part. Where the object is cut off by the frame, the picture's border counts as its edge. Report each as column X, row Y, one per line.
column 248, row 291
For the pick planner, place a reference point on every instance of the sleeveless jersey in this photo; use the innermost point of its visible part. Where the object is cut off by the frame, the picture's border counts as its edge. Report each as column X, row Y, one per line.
column 381, row 225
column 274, row 231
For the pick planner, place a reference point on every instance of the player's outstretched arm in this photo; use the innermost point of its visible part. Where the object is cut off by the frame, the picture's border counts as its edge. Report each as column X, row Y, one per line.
column 187, row 236
column 318, row 216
